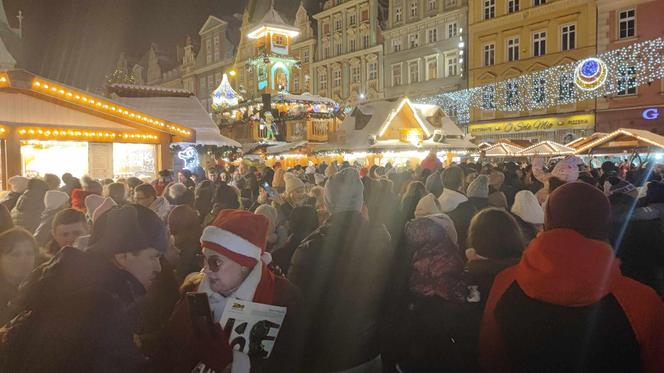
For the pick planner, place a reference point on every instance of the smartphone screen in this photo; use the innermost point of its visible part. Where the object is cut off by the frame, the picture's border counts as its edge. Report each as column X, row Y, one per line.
column 199, row 311
column 270, row 191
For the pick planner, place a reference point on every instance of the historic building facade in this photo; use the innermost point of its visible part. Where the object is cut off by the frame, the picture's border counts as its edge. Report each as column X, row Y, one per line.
column 620, row 23
column 349, row 60
column 509, row 38
column 422, row 47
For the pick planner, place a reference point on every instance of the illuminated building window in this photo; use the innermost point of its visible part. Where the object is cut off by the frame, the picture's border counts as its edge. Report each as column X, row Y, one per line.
column 452, row 65
column 372, row 70
column 512, row 6
column 489, row 54
column 627, row 80
column 539, row 91
column 396, row 45
column 397, row 15
column 432, row 34
column 488, row 97
column 396, row 75
column 568, row 37
column 489, row 9
column 627, row 24
column 539, row 43
column 566, row 88
column 452, row 30
column 413, row 71
column 355, row 74
column 414, row 40
column 431, row 68
column 512, row 95
column 513, row 49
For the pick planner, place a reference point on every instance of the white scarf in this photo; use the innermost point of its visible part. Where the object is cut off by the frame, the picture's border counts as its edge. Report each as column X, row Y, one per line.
column 246, row 291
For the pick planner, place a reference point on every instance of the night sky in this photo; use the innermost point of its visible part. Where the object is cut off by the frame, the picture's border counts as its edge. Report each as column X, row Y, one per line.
column 78, row 41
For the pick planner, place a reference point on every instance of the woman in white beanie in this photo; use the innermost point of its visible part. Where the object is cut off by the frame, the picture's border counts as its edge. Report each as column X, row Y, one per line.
column 54, row 201
column 18, row 185
column 528, row 213
column 293, row 196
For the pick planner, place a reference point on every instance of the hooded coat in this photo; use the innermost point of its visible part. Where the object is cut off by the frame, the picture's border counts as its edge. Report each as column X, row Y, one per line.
column 566, row 307
column 87, row 305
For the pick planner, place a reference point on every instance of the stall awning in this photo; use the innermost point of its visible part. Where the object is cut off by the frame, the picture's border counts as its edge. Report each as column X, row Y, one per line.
column 547, row 149
column 502, row 150
column 624, row 140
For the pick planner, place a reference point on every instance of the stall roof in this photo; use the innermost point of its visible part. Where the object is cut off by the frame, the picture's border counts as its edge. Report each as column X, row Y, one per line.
column 186, row 110
column 546, row 148
column 285, row 147
column 368, row 120
column 582, row 141
column 624, row 140
column 502, row 150
column 76, row 102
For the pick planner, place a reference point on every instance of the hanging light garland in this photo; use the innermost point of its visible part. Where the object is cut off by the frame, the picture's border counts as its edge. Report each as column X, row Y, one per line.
column 607, row 74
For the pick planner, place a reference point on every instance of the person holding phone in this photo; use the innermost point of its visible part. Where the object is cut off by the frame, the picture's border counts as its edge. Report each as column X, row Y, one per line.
column 234, row 267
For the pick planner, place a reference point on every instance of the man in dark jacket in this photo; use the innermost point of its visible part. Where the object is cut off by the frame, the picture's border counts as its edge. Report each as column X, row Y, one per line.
column 30, row 205
column 341, row 269
column 77, row 312
column 566, row 307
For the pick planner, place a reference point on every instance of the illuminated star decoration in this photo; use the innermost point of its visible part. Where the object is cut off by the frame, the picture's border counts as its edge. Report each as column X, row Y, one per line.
column 224, row 96
column 609, row 73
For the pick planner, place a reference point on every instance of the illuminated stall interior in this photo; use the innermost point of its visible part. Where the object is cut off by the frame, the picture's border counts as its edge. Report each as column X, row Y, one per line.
column 394, row 131
column 53, row 128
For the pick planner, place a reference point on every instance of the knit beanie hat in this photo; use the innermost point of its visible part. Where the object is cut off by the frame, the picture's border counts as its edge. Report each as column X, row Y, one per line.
column 18, row 183
column 497, row 199
column 581, row 207
column 270, row 213
column 127, row 229
column 92, row 202
column 292, row 182
column 105, row 206
column 344, row 191
column 428, row 206
column 54, row 199
column 478, row 188
column 319, row 179
column 237, row 234
column 527, row 208
column 434, row 184
column 311, row 169
column 330, row 170
column 567, row 170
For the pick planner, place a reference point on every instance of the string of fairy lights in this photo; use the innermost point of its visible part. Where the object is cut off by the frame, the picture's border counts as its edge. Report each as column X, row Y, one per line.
column 610, row 73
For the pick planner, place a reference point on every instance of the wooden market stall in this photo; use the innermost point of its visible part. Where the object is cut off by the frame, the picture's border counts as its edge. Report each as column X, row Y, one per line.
column 51, row 127
column 622, row 141
column 546, row 149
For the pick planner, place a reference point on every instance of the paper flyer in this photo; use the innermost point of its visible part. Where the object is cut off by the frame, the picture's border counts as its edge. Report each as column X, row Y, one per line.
column 253, row 327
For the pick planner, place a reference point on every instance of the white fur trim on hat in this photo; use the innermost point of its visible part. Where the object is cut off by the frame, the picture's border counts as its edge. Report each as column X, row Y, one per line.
column 231, row 241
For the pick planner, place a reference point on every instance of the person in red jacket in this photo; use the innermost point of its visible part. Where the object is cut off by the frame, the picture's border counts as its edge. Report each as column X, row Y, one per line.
column 566, row 307
column 235, row 267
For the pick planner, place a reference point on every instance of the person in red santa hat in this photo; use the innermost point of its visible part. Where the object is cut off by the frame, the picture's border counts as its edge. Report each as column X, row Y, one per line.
column 235, row 267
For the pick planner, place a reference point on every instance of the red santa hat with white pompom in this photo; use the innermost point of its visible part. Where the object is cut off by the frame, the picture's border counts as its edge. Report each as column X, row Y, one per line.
column 237, row 234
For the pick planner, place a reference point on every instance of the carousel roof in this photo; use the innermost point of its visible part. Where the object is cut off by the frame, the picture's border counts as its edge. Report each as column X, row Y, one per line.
column 546, row 148
column 624, row 140
column 502, row 150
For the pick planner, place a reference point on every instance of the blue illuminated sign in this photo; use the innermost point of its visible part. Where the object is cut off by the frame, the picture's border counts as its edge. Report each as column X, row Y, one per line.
column 650, row 113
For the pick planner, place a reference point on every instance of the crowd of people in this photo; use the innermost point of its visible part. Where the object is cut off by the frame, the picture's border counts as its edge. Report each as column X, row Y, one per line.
column 473, row 267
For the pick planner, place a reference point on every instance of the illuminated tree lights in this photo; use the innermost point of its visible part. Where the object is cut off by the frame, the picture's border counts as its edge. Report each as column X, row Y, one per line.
column 610, row 73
